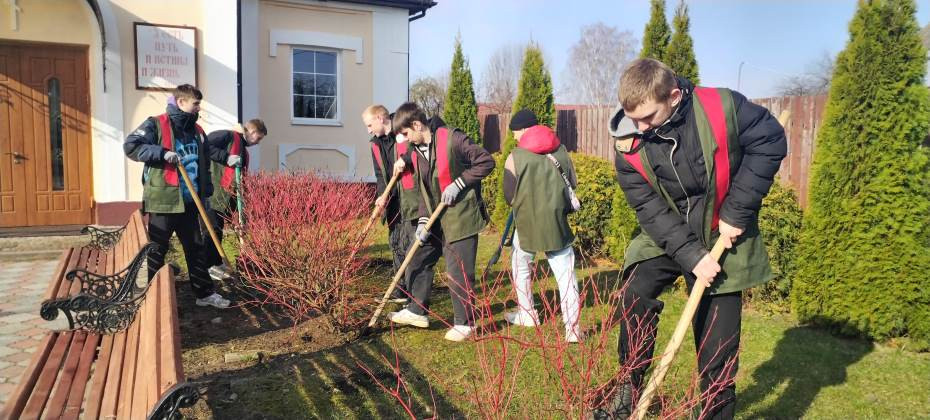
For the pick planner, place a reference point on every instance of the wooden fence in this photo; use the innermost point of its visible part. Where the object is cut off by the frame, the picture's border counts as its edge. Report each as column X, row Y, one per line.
column 583, row 129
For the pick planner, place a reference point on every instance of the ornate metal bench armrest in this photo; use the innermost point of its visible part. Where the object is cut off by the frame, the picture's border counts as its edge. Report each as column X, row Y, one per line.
column 180, row 396
column 103, row 239
column 113, row 287
column 91, row 313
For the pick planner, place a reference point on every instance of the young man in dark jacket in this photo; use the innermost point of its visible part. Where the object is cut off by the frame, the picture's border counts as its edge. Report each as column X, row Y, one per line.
column 162, row 142
column 448, row 167
column 695, row 164
column 385, row 147
column 228, row 151
column 537, row 177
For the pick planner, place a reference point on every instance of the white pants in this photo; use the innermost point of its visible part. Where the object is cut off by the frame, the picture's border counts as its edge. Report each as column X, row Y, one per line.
column 562, row 263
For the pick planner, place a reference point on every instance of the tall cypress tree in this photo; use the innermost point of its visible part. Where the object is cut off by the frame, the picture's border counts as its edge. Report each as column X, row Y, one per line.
column 534, row 93
column 656, row 35
column 864, row 252
column 461, row 109
column 680, row 54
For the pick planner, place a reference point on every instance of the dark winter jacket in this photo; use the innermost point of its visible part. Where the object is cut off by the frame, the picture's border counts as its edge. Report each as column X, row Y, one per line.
column 469, row 164
column 677, row 159
column 220, row 147
column 386, row 146
column 145, row 145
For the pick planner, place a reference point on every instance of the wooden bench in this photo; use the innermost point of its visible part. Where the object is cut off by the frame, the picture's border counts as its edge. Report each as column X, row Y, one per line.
column 135, row 373
column 89, row 278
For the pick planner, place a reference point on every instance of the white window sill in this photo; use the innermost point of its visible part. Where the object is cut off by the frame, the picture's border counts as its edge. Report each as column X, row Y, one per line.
column 306, row 121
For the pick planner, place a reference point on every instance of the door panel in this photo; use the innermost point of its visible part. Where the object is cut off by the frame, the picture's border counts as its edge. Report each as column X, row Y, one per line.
column 54, row 121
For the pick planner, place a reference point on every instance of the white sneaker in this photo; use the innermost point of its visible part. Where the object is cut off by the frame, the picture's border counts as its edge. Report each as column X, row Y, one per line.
column 214, row 300
column 406, row 317
column 458, row 333
column 220, row 273
column 522, row 318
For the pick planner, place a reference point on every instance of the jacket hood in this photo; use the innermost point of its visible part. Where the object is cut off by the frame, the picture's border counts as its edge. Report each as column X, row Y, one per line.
column 622, row 127
column 539, row 139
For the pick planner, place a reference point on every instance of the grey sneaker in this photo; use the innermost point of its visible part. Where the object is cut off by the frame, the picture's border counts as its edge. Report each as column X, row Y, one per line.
column 214, row 300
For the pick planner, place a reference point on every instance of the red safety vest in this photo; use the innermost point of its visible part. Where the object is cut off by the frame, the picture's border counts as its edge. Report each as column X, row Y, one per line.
column 229, row 173
column 713, row 107
column 167, row 141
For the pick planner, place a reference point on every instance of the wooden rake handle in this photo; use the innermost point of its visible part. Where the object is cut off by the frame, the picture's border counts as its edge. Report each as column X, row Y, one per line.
column 403, row 267
column 658, row 375
column 383, row 197
column 690, row 308
column 203, row 214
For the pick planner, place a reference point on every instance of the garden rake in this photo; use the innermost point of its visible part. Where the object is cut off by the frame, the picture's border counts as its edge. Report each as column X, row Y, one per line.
column 687, row 315
column 677, row 337
column 400, row 271
column 378, row 209
column 203, row 213
column 374, row 214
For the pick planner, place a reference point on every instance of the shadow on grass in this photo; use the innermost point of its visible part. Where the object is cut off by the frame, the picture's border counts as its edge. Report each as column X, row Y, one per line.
column 802, row 370
column 324, row 384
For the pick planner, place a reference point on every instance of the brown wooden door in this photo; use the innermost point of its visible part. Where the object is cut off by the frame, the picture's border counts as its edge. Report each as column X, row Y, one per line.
column 45, row 169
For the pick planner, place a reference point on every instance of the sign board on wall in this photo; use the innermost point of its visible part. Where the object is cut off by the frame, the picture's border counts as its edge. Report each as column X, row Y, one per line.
column 166, row 56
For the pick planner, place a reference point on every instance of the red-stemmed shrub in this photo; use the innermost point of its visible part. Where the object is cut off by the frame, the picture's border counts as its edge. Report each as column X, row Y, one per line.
column 300, row 243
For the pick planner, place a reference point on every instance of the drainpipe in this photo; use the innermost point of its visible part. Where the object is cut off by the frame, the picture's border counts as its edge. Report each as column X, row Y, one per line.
column 239, row 60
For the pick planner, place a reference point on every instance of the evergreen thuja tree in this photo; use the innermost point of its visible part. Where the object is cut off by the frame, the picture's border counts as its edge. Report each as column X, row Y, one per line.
column 864, row 252
column 656, row 35
column 680, row 54
column 461, row 109
column 534, row 92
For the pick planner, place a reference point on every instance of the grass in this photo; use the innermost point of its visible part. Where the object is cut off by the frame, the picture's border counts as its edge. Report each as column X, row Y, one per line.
column 786, row 370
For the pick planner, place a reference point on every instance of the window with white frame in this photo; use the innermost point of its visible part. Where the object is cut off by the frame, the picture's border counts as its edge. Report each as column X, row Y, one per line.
column 315, row 91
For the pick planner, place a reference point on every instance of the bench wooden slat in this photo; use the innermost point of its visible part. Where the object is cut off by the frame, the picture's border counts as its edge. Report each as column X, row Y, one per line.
column 56, row 404
column 43, row 387
column 95, row 396
column 81, row 378
column 114, row 376
column 59, row 275
column 78, row 260
column 170, row 338
column 90, row 264
column 14, row 406
column 153, row 320
column 147, row 360
column 129, row 372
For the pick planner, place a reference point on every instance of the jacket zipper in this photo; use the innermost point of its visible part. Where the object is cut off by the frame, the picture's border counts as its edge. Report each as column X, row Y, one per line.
column 671, row 161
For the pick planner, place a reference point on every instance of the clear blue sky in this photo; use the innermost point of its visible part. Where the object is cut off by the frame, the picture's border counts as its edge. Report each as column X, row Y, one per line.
column 773, row 37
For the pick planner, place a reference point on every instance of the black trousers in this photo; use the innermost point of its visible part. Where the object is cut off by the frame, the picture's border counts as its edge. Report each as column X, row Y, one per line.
column 716, row 328
column 191, row 234
column 460, row 274
column 400, row 235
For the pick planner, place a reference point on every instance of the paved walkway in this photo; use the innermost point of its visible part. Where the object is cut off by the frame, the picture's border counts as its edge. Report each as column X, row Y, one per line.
column 22, row 285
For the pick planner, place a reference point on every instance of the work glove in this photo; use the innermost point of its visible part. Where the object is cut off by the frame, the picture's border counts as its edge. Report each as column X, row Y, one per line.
column 234, row 161
column 399, row 166
column 172, row 157
column 452, row 191
column 422, row 233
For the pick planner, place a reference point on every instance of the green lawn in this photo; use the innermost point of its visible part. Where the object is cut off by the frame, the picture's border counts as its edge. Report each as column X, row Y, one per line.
column 786, row 370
